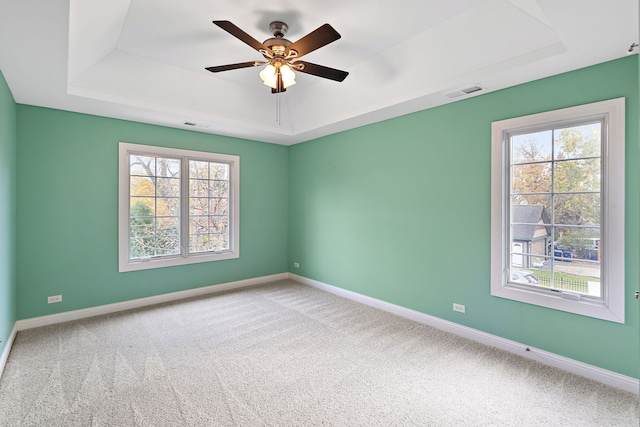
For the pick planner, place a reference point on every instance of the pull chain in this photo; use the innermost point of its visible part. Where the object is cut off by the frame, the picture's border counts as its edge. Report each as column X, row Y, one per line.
column 278, row 108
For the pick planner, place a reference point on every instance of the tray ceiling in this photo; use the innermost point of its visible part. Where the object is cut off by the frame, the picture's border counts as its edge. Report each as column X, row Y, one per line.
column 144, row 60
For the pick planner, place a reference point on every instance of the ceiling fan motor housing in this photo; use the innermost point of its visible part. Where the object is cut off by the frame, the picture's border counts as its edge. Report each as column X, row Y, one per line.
column 278, row 43
column 278, row 28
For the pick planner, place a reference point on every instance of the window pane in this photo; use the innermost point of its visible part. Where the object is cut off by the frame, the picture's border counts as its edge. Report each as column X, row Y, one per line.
column 167, row 167
column 530, row 233
column 198, row 169
column 168, row 206
column 219, row 189
column 142, row 186
column 577, row 209
column 544, row 200
column 168, row 245
column 219, row 224
column 199, row 243
column 578, row 141
column 530, row 253
column 531, row 147
column 168, row 187
column 533, row 178
column 209, row 206
column 219, row 242
column 219, row 171
column 141, row 227
column 577, row 175
column 525, row 276
column 564, row 281
column 142, row 165
column 199, row 224
column 154, row 212
column 219, row 206
column 579, row 242
column 198, row 206
column 586, row 253
column 142, row 206
column 141, row 247
column 168, row 226
column 198, row 188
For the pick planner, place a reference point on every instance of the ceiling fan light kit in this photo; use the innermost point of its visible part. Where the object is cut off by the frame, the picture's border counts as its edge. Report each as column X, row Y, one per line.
column 270, row 75
column 282, row 56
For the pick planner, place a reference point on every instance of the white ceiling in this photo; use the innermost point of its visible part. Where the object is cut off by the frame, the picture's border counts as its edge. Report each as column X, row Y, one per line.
column 144, row 60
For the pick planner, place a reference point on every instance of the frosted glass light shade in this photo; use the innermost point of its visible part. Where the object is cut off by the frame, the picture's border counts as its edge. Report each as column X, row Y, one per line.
column 269, row 76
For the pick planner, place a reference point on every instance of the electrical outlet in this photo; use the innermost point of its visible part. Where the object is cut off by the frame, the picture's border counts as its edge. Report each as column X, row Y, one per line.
column 54, row 298
column 458, row 307
column 296, row 264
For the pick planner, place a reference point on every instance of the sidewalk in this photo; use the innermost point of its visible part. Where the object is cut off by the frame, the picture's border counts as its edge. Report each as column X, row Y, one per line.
column 578, row 268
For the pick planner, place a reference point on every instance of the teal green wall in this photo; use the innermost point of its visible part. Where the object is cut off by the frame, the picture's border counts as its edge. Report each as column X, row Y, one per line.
column 400, row 211
column 67, row 203
column 397, row 210
column 7, row 212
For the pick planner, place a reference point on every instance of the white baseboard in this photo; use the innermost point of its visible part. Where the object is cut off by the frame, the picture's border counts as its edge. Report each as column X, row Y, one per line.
column 67, row 316
column 7, row 348
column 579, row 368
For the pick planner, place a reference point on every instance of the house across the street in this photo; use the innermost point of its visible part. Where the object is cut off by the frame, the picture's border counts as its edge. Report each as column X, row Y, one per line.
column 530, row 235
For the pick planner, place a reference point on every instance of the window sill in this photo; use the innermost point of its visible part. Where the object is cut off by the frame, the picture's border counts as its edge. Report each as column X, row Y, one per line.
column 174, row 261
column 582, row 307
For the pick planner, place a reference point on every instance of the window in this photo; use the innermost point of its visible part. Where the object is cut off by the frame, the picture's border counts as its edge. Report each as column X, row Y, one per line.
column 176, row 207
column 557, row 209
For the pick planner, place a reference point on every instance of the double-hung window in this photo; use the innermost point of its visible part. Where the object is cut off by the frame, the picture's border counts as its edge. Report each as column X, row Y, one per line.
column 557, row 213
column 176, row 207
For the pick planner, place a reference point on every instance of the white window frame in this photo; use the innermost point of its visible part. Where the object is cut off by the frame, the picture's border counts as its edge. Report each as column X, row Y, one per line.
column 126, row 264
column 611, row 306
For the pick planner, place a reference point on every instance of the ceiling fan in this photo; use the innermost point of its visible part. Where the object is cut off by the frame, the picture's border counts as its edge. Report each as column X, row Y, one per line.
column 282, row 56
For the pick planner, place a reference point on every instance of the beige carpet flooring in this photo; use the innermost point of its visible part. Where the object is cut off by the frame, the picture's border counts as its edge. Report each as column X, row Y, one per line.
column 285, row 354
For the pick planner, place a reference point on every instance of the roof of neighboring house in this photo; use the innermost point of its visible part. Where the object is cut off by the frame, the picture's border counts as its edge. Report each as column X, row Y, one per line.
column 530, row 214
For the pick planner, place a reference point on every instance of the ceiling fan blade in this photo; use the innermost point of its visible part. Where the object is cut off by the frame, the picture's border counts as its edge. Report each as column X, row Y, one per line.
column 315, row 39
column 241, row 35
column 235, row 66
column 322, row 71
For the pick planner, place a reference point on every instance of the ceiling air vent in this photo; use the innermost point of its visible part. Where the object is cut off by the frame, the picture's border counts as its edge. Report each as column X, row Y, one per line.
column 196, row 125
column 472, row 89
column 466, row 91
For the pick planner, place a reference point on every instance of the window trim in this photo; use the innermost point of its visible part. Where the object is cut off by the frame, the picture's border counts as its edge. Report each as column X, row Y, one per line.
column 613, row 200
column 124, row 263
